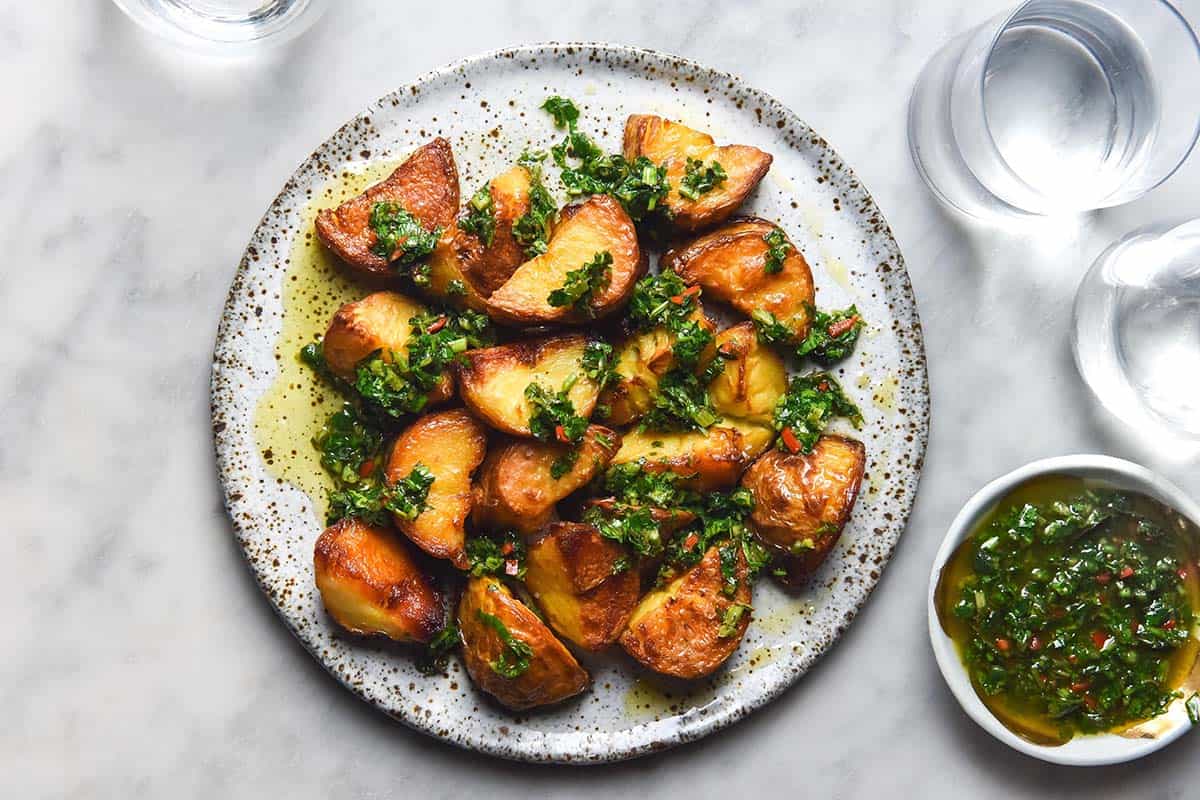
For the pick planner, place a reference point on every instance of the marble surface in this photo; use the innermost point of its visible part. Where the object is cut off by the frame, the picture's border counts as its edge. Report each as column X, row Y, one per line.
column 139, row 658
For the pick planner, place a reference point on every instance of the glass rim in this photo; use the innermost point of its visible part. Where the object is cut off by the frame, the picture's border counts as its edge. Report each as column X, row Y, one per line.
column 234, row 35
column 987, row 125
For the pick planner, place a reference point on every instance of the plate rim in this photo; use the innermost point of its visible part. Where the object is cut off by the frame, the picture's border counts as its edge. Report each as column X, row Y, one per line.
column 542, row 749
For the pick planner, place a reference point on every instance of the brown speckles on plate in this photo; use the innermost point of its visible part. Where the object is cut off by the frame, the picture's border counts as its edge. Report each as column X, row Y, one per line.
column 276, row 523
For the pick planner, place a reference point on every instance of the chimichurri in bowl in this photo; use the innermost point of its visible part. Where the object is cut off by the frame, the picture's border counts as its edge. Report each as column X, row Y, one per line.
column 1064, row 606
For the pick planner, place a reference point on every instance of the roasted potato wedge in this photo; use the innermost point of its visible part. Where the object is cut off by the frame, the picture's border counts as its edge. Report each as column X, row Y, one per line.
column 729, row 264
column 451, row 444
column 641, row 362
column 754, row 377
column 596, row 225
column 482, row 267
column 711, row 460
column 676, row 630
column 581, row 583
column 516, row 490
column 379, row 321
column 802, row 502
column 664, row 141
column 425, row 185
column 370, row 584
column 493, row 379
column 552, row 674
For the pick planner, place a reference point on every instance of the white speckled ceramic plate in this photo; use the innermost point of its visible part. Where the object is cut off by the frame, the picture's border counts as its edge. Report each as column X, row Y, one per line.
column 488, row 108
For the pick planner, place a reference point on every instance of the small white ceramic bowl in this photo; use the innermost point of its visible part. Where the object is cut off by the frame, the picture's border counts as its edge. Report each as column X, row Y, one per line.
column 1081, row 750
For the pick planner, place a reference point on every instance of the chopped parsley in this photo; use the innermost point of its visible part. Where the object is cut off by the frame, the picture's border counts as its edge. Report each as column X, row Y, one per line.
column 437, row 653
column 778, row 249
column 456, row 288
column 400, row 238
column 532, row 229
column 728, row 553
column 699, row 179
column 682, row 402
column 731, row 618
column 632, row 484
column 811, row 401
column 598, row 364
column 770, row 329
column 490, row 557
column 662, row 299
column 582, row 284
column 832, row 335
column 552, row 415
column 564, row 464
column 480, row 218
column 514, row 659
column 632, row 526
column 638, row 185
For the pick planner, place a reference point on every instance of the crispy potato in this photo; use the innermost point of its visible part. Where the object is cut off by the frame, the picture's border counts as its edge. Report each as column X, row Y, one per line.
column 370, row 584
column 596, row 225
column 802, row 502
column 711, row 460
column 481, row 267
column 553, row 674
column 728, row 263
column 515, row 489
column 676, row 630
column 426, row 185
column 754, row 377
column 379, row 321
column 640, row 363
column 451, row 444
column 575, row 576
column 493, row 379
column 662, row 140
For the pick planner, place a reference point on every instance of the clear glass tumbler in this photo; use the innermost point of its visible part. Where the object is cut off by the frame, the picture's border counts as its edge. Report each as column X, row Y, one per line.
column 1059, row 106
column 1136, row 331
column 229, row 27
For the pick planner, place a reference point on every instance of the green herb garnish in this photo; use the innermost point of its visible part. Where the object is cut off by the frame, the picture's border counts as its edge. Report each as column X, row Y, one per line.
column 553, row 417
column 811, row 401
column 778, row 249
column 598, row 363
column 490, row 557
column 564, row 463
column 437, row 653
column 514, row 659
column 582, row 284
column 532, row 229
column 480, row 216
column 832, row 335
column 731, row 618
column 699, row 179
column 400, row 238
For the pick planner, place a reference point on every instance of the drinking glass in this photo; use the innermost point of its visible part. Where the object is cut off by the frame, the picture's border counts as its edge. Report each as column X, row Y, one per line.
column 1136, row 333
column 1058, row 107
column 223, row 26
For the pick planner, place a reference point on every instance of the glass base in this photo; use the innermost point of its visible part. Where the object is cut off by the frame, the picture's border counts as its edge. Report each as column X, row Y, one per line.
column 223, row 27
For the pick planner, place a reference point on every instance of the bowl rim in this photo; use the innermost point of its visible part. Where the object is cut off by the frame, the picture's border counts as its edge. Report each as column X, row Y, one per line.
column 1097, row 750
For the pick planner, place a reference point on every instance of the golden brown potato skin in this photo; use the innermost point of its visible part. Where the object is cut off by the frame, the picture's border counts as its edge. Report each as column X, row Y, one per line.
column 570, row 572
column 799, row 498
column 426, row 185
column 641, row 362
column 754, row 377
column 444, row 267
column 379, row 321
column 493, row 379
column 662, row 140
column 514, row 489
column 707, row 461
column 553, row 674
column 728, row 264
column 451, row 444
column 370, row 584
column 596, row 225
column 674, row 630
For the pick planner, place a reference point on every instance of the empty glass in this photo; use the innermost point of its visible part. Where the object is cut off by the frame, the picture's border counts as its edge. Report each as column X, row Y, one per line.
column 223, row 26
column 1136, row 330
column 1060, row 106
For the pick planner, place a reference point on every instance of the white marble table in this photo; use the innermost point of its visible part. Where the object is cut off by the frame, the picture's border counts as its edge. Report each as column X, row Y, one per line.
column 139, row 658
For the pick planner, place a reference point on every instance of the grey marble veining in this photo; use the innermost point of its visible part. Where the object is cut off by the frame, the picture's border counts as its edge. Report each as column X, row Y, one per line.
column 139, row 658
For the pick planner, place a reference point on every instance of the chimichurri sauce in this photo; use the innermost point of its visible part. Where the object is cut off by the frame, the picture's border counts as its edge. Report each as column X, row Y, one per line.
column 1072, row 607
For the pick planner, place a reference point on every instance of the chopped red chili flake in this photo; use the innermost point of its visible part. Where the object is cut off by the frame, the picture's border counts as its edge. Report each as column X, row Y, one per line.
column 560, row 433
column 841, row 326
column 506, row 548
column 1002, row 645
column 682, row 297
column 1091, row 702
column 1081, row 686
column 690, row 541
column 1127, row 572
column 1169, row 625
column 366, row 468
column 438, row 324
column 1035, row 644
column 1099, row 638
column 789, row 440
column 1103, row 578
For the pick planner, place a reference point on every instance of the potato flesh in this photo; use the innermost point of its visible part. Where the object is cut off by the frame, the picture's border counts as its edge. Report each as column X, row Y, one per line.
column 494, row 379
column 426, row 185
column 371, row 585
column 451, row 444
column 729, row 264
column 553, row 674
column 802, row 502
column 597, row 225
column 709, row 460
column 752, row 382
column 664, row 141
column 676, row 630
column 515, row 489
column 570, row 573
